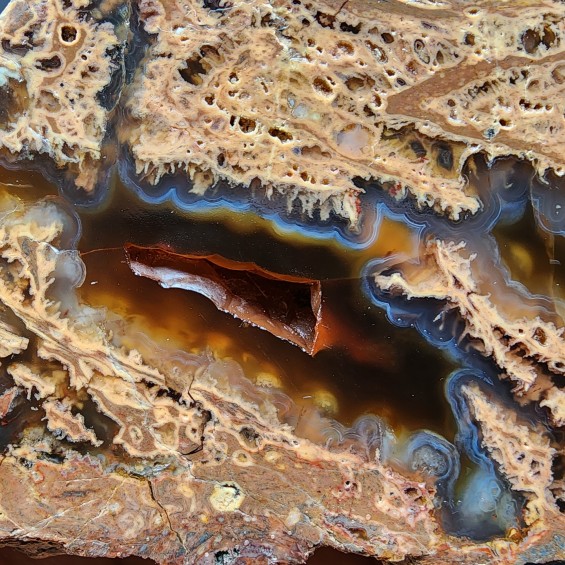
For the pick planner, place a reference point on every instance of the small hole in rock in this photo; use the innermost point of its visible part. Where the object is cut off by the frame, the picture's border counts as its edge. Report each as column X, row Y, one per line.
column 68, row 34
column 49, row 64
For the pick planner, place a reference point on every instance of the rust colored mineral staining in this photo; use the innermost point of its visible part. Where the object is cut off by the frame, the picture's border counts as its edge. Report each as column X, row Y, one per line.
column 7, row 401
column 436, row 124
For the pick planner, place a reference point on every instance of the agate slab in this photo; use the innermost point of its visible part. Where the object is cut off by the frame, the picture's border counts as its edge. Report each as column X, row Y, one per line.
column 283, row 276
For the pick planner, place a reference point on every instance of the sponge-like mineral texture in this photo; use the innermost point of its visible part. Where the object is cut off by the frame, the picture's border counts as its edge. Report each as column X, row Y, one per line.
column 136, row 420
column 196, row 456
column 297, row 98
column 304, row 97
column 59, row 68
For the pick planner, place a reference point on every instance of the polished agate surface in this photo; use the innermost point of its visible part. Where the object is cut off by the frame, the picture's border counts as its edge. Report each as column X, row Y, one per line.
column 283, row 280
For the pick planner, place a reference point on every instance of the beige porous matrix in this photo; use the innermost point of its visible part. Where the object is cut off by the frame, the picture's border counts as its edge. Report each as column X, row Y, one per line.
column 283, row 275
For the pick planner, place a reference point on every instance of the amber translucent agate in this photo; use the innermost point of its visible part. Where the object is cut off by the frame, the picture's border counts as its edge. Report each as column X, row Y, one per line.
column 197, row 444
column 526, row 344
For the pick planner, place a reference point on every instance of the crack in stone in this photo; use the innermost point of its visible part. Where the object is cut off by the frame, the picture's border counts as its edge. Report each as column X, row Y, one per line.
column 168, row 518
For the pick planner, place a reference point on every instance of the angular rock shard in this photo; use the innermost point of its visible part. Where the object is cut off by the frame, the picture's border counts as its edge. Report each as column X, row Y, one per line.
column 197, row 448
column 286, row 306
column 112, row 444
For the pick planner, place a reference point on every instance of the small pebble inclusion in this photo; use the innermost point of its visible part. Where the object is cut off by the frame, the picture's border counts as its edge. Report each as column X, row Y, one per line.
column 407, row 157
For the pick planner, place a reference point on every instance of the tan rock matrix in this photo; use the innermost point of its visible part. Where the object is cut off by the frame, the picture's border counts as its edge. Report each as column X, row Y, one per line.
column 112, row 444
column 292, row 97
column 56, row 59
column 524, row 343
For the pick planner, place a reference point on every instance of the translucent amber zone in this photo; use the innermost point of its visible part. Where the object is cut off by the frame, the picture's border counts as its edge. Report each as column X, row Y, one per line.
column 508, row 327
column 196, row 441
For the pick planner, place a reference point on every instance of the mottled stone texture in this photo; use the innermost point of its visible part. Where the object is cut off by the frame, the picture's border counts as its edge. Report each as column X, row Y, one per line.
column 59, row 65
column 299, row 98
column 304, row 97
column 114, row 445
column 201, row 465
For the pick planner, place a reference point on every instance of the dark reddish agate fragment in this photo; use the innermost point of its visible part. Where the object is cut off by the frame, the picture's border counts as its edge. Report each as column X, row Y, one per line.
column 287, row 306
